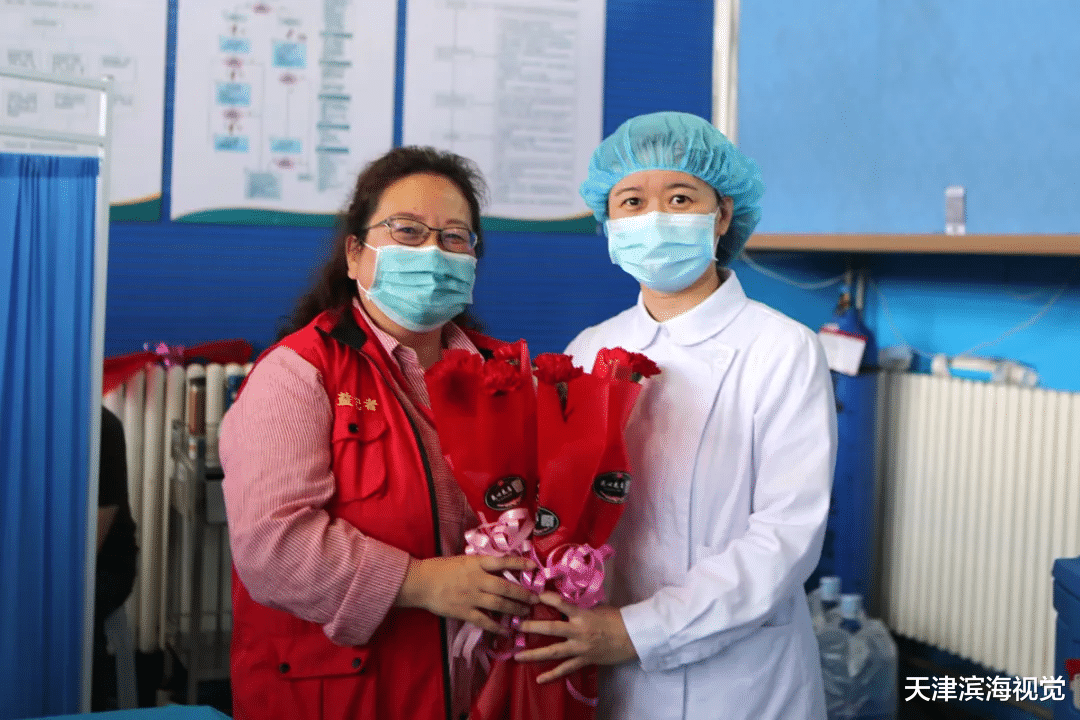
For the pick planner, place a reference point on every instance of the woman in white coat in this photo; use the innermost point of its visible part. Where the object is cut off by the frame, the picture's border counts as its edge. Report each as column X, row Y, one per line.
column 732, row 445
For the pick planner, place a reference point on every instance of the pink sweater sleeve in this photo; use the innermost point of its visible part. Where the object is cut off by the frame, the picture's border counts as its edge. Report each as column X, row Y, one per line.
column 289, row 553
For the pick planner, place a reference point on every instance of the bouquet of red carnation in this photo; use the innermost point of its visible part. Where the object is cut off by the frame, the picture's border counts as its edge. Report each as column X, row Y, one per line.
column 486, row 418
column 585, row 480
column 583, row 465
column 576, row 485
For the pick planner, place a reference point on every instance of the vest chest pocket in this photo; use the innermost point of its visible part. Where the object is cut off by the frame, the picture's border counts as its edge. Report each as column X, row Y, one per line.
column 359, row 449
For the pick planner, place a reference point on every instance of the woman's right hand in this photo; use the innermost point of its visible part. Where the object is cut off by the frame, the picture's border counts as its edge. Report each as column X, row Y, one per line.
column 463, row 586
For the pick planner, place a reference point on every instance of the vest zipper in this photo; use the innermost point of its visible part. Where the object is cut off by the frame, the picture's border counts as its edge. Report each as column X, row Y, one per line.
column 447, row 690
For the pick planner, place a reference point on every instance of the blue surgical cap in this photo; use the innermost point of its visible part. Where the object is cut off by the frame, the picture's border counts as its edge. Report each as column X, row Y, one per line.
column 689, row 144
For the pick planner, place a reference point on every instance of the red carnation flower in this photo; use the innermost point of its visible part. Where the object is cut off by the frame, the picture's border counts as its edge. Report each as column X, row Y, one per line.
column 610, row 361
column 554, row 368
column 512, row 352
column 641, row 366
column 455, row 362
column 500, row 376
column 622, row 364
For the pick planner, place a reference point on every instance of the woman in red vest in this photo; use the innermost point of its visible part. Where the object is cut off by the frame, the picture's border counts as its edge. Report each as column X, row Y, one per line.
column 345, row 522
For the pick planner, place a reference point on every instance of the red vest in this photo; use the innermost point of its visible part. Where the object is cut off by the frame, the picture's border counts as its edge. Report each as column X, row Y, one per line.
column 284, row 667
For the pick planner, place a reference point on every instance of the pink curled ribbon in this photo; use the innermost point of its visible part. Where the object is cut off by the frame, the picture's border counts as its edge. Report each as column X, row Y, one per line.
column 577, row 572
column 169, row 354
column 509, row 535
column 580, row 696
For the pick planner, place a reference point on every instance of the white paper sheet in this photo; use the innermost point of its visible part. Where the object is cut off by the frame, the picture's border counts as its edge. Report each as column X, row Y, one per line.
column 516, row 86
column 843, row 351
column 90, row 39
column 279, row 105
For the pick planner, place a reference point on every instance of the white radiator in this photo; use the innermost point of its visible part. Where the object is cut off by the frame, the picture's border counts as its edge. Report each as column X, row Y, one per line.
column 147, row 404
column 980, row 494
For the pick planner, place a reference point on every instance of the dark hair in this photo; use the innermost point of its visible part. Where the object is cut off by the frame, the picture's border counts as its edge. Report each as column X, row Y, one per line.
column 334, row 288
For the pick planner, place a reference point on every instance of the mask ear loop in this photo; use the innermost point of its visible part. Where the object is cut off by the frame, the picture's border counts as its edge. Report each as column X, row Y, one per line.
column 374, row 272
column 716, row 238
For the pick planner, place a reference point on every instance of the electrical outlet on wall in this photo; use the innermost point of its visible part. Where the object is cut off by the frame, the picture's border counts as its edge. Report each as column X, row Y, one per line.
column 955, row 210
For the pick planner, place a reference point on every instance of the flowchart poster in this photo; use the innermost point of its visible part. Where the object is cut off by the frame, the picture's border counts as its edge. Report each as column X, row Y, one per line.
column 278, row 105
column 91, row 39
column 517, row 86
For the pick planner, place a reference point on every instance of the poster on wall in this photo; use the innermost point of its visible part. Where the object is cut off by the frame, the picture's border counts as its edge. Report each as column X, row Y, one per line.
column 516, row 86
column 91, row 39
column 278, row 105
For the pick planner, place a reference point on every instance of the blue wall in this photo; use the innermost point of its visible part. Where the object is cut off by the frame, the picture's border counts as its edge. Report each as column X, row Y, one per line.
column 859, row 114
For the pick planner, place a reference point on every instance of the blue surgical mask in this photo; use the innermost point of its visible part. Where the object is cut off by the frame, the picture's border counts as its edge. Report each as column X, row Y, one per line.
column 666, row 252
column 420, row 288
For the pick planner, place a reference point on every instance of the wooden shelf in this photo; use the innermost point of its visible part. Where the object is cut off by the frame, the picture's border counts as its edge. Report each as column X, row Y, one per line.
column 900, row 243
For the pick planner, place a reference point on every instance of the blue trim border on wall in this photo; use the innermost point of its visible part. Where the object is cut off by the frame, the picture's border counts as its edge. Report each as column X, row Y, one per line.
column 585, row 224
column 139, row 211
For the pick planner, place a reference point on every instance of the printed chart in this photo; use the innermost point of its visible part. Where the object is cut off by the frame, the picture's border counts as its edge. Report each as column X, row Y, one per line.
column 278, row 106
column 91, row 39
column 515, row 85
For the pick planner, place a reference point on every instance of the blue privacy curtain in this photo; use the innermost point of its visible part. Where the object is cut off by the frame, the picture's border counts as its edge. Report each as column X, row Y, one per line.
column 46, row 281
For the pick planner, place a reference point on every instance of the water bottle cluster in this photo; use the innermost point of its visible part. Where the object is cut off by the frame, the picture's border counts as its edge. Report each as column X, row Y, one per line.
column 858, row 656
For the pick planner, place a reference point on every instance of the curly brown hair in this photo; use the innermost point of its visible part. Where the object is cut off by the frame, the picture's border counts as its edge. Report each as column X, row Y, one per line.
column 334, row 288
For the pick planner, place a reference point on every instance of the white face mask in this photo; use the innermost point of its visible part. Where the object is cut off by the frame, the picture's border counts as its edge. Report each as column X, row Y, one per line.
column 666, row 252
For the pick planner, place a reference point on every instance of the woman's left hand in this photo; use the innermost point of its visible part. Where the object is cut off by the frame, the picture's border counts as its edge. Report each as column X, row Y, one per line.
column 593, row 637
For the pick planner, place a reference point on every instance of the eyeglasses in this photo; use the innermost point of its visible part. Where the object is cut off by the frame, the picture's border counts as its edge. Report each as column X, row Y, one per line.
column 413, row 232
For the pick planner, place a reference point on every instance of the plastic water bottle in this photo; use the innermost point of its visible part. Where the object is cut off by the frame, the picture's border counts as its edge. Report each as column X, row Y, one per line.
column 824, row 601
column 878, row 682
column 830, row 594
column 833, row 646
column 851, row 612
column 858, row 663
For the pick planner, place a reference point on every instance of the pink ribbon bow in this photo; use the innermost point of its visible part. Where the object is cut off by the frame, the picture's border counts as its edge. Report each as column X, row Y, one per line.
column 169, row 354
column 509, row 535
column 578, row 573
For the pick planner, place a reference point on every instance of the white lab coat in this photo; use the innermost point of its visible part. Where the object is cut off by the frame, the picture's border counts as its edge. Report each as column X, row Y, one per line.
column 732, row 447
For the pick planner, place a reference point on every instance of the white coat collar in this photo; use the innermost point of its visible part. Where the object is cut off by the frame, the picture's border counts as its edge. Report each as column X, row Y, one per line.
column 694, row 326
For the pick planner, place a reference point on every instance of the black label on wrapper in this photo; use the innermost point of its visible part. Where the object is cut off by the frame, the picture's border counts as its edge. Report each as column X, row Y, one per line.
column 505, row 494
column 612, row 487
column 547, row 522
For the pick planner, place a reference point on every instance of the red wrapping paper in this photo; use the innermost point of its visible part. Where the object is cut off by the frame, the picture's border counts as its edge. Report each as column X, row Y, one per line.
column 619, row 371
column 486, row 421
column 119, row 368
column 577, row 479
column 584, row 482
column 511, row 691
column 570, row 446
